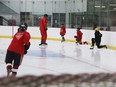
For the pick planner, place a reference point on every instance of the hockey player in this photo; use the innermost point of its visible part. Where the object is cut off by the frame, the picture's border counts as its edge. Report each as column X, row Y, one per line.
column 62, row 32
column 97, row 39
column 17, row 48
column 78, row 36
column 43, row 29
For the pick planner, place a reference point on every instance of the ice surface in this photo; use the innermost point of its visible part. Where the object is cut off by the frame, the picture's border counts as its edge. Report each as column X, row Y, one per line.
column 58, row 58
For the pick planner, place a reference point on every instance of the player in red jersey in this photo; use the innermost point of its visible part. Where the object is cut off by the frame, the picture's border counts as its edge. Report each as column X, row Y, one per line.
column 78, row 36
column 62, row 32
column 17, row 48
column 43, row 29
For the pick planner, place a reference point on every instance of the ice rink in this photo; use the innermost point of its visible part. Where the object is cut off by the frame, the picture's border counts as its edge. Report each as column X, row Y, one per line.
column 58, row 58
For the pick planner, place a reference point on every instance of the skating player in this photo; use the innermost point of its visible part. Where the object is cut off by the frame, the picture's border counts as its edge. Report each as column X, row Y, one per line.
column 97, row 39
column 43, row 29
column 62, row 32
column 17, row 48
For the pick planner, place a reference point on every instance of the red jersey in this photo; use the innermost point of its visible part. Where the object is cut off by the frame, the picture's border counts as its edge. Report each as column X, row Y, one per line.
column 43, row 24
column 79, row 35
column 62, row 30
column 19, row 40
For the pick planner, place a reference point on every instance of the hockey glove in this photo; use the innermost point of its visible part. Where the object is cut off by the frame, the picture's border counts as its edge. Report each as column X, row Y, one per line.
column 46, row 28
column 100, row 35
column 75, row 36
column 26, row 47
column 25, row 52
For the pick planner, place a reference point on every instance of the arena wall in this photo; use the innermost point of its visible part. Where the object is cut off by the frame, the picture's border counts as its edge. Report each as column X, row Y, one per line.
column 108, row 37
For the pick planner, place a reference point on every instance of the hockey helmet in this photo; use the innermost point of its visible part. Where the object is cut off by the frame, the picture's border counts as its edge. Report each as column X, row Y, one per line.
column 45, row 15
column 97, row 29
column 23, row 26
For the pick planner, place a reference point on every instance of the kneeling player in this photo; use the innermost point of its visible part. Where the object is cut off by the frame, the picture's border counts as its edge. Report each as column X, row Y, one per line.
column 78, row 36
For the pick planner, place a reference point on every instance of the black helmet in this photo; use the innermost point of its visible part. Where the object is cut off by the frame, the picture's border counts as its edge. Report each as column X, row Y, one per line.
column 45, row 15
column 23, row 26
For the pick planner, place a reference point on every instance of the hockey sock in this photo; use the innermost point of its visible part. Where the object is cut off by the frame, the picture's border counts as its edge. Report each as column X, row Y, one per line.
column 14, row 70
column 8, row 66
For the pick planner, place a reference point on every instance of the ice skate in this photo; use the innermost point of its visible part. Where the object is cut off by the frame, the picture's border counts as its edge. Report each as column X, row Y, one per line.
column 76, row 43
column 45, row 44
column 62, row 40
column 91, row 47
column 105, row 46
column 40, row 44
column 8, row 72
column 13, row 75
column 85, row 43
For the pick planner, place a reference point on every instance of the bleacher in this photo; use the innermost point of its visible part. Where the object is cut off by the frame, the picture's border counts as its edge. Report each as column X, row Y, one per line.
column 5, row 9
